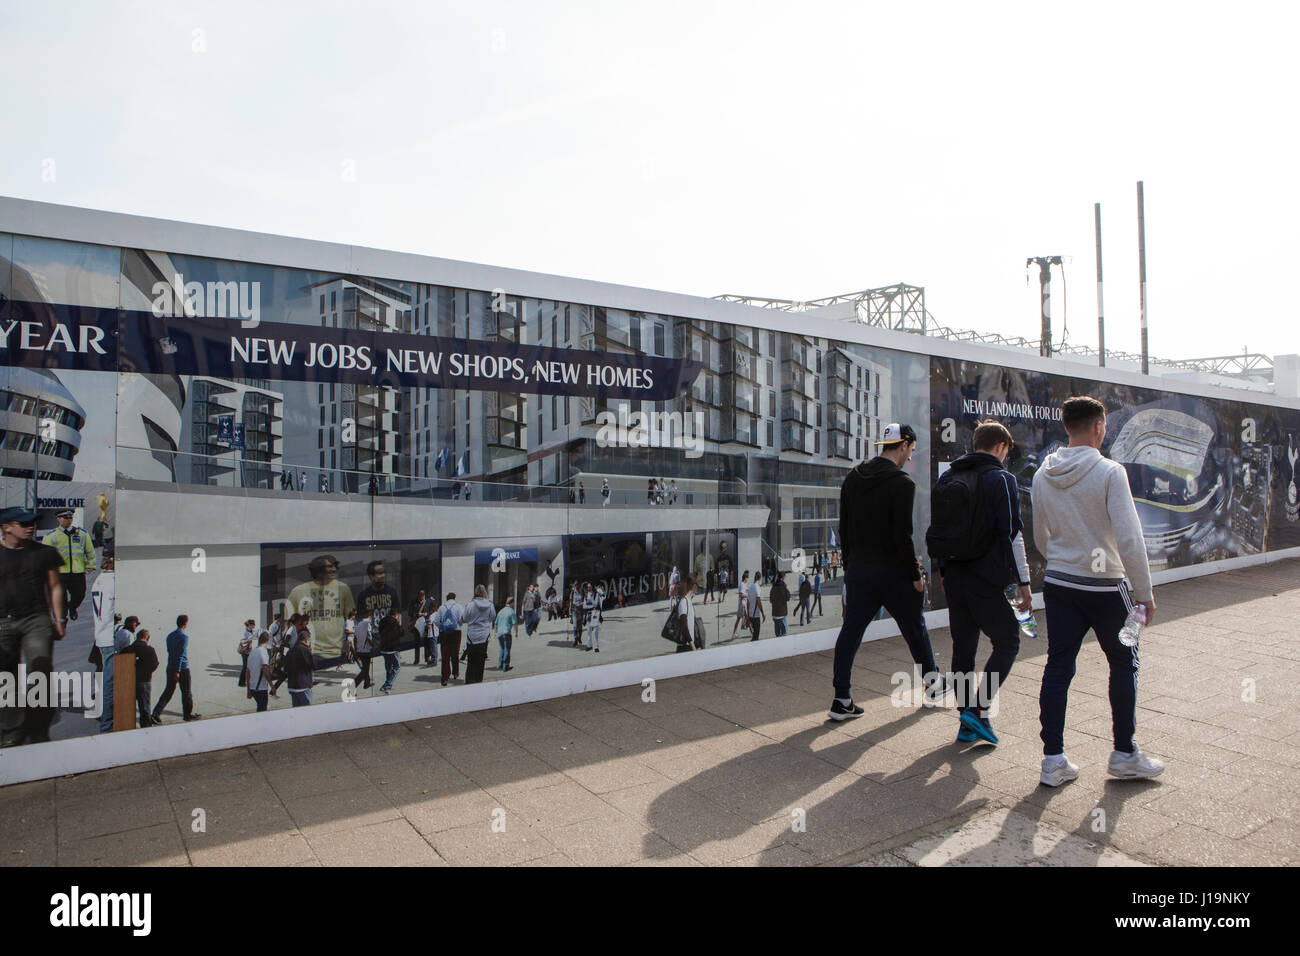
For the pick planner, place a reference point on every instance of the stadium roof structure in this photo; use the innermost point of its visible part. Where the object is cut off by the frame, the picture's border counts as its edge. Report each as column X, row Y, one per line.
column 901, row 307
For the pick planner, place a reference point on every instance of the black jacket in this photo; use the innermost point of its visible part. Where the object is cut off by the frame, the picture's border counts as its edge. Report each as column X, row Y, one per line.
column 146, row 662
column 1000, row 495
column 876, row 517
column 779, row 598
column 299, row 665
column 390, row 635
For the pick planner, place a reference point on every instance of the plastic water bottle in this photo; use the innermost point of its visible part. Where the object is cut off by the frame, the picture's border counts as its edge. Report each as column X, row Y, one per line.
column 1133, row 624
column 1028, row 624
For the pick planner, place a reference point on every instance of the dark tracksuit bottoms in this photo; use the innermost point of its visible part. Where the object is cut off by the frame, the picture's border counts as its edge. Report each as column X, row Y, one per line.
column 1071, row 612
column 975, row 605
column 866, row 590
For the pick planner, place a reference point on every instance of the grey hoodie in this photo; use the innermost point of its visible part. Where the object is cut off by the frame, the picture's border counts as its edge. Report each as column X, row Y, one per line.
column 1085, row 522
column 479, row 618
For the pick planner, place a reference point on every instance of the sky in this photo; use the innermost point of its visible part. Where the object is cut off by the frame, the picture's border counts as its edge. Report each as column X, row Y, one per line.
column 767, row 149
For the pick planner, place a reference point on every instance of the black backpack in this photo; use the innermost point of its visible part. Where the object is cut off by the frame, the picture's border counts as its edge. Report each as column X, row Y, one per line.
column 960, row 529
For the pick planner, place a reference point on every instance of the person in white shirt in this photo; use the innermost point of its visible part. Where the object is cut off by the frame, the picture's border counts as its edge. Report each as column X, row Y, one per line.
column 247, row 640
column 591, row 609
column 364, row 645
column 754, row 607
column 259, row 671
column 101, row 605
column 674, row 582
column 742, row 599
column 686, row 617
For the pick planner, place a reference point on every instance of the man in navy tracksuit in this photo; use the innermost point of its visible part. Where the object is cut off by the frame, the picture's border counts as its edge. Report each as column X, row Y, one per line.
column 976, row 589
column 881, row 564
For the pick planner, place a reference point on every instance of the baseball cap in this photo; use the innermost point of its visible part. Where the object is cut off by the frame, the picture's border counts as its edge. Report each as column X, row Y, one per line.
column 894, row 433
column 66, row 513
column 17, row 513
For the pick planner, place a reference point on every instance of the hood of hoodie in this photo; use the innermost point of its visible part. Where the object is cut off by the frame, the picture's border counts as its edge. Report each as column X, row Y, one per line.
column 482, row 603
column 877, row 470
column 1068, row 466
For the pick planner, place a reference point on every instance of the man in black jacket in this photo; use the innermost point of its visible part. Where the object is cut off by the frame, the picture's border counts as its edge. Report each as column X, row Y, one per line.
column 881, row 566
column 146, row 662
column 976, row 588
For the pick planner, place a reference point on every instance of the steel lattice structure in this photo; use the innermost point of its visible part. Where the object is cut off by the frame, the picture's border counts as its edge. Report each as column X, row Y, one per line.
column 901, row 307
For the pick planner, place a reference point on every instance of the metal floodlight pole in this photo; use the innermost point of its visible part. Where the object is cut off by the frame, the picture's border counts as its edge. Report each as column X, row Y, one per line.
column 1142, row 277
column 1045, row 264
column 1101, row 312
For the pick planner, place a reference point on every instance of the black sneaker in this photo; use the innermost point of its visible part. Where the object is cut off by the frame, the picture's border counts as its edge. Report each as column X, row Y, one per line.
column 839, row 712
column 193, row 716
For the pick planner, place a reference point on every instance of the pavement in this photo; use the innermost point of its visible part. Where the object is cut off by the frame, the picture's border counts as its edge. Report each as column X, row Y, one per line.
column 739, row 767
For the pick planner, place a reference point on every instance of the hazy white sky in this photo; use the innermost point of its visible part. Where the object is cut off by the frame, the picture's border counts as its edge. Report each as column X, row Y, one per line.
column 777, row 149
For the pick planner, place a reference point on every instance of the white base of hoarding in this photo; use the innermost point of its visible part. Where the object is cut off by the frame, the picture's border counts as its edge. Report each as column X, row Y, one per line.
column 83, row 754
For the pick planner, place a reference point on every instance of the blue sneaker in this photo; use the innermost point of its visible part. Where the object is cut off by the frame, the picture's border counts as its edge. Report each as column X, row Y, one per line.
column 964, row 734
column 979, row 726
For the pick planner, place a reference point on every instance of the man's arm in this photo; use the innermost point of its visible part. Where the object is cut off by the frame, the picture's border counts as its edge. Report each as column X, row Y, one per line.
column 903, row 544
column 1128, row 536
column 55, row 585
column 1042, row 534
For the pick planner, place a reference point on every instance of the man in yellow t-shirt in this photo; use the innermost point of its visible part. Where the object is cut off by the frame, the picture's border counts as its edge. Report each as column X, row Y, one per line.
column 327, row 602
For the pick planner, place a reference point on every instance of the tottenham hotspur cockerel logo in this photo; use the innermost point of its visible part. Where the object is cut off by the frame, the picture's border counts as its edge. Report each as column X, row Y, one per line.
column 1292, row 499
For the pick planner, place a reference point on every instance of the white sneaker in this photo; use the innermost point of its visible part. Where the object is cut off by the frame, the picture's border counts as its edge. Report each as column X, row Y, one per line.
column 936, row 694
column 1056, row 773
column 1134, row 766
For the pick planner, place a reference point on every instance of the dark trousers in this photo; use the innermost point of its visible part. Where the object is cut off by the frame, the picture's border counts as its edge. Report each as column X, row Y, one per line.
column 187, row 698
column 363, row 661
column 974, row 605
column 867, row 589
column 816, row 603
column 143, row 691
column 31, row 640
column 755, row 626
column 477, row 659
column 802, row 609
column 243, row 670
column 1070, row 614
column 450, row 641
column 430, row 648
column 260, row 697
column 74, row 592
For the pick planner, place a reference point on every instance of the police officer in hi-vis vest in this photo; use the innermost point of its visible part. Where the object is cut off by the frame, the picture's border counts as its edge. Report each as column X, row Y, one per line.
column 78, row 556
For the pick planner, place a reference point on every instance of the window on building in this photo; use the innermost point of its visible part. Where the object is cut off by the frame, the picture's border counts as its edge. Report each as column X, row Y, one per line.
column 659, row 338
column 334, row 301
column 322, row 304
column 771, row 432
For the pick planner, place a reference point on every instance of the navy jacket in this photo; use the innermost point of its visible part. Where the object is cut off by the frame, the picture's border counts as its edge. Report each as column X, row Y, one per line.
column 1000, row 494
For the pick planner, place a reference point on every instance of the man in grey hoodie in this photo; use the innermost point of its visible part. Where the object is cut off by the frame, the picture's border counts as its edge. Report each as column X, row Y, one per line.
column 479, row 618
column 1086, row 526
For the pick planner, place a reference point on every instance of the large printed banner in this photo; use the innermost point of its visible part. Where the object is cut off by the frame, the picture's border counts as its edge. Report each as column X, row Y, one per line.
column 39, row 335
column 1212, row 478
